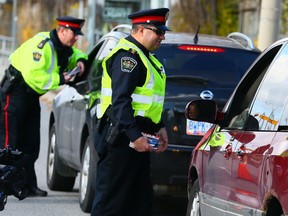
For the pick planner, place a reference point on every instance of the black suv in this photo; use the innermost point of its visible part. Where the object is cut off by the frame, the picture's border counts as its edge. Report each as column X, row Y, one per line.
column 197, row 66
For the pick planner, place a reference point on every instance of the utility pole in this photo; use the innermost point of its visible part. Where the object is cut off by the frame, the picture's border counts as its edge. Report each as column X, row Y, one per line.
column 81, row 16
column 91, row 24
column 269, row 24
column 14, row 24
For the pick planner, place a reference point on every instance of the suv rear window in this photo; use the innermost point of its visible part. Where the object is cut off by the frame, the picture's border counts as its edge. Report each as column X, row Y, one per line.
column 224, row 67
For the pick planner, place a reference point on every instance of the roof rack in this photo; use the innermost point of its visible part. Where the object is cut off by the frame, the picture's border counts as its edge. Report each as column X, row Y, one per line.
column 122, row 26
column 240, row 37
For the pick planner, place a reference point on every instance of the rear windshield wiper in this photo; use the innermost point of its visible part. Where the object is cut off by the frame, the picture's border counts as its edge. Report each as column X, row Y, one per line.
column 188, row 79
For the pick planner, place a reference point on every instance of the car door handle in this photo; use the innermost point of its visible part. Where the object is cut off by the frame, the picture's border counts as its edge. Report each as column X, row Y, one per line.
column 227, row 151
column 240, row 154
column 72, row 99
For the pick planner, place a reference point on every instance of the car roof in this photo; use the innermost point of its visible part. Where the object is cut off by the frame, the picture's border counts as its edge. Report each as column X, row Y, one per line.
column 209, row 40
column 235, row 40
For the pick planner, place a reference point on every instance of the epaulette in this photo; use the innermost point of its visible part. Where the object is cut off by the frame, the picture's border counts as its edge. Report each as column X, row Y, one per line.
column 42, row 43
column 134, row 52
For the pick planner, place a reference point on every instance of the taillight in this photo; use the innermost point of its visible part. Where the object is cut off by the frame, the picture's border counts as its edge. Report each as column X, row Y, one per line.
column 200, row 48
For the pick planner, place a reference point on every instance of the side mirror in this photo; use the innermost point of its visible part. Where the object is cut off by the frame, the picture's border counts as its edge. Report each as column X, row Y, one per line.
column 201, row 110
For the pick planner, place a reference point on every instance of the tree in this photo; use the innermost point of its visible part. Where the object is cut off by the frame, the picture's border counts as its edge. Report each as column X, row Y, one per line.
column 284, row 19
column 214, row 16
column 35, row 16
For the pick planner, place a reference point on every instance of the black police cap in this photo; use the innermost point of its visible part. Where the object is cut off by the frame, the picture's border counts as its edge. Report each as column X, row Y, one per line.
column 74, row 24
column 156, row 17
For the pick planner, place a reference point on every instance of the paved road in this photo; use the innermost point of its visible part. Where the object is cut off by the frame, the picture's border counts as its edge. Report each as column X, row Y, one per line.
column 64, row 203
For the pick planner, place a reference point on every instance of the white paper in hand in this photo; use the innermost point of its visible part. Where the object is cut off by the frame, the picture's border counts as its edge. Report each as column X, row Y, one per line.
column 76, row 70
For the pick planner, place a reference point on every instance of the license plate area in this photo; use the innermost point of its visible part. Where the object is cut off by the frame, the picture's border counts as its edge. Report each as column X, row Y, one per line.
column 197, row 128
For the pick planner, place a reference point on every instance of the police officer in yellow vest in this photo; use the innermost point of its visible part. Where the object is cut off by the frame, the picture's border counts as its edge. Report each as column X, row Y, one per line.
column 40, row 64
column 132, row 98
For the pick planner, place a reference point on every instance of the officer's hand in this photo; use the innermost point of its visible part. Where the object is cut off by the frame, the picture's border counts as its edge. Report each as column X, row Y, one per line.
column 163, row 140
column 67, row 77
column 81, row 65
column 141, row 145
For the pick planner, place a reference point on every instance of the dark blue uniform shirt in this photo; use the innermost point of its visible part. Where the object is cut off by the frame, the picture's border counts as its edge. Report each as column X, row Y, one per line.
column 123, row 86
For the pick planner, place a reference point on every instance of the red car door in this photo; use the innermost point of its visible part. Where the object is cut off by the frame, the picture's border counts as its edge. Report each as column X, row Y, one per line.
column 254, row 156
column 248, row 158
column 216, row 165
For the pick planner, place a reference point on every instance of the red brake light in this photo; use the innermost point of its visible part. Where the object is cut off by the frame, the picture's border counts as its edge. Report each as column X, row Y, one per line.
column 200, row 48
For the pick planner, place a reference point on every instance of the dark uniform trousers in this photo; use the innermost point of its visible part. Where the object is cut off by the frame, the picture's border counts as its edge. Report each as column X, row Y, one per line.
column 123, row 186
column 20, row 125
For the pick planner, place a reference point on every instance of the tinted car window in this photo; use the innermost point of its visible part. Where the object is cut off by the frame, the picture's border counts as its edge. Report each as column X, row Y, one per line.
column 95, row 72
column 95, row 68
column 222, row 67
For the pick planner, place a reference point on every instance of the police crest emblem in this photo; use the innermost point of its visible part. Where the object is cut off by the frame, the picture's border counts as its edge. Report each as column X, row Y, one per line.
column 37, row 56
column 128, row 64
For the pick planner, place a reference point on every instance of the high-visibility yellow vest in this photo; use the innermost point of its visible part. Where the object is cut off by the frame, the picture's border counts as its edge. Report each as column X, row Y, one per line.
column 147, row 100
column 39, row 64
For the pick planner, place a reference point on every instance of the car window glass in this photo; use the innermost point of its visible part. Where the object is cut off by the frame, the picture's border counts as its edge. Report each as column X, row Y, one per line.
column 239, row 105
column 224, row 68
column 107, row 47
column 87, row 85
column 269, row 102
column 95, row 73
column 283, row 123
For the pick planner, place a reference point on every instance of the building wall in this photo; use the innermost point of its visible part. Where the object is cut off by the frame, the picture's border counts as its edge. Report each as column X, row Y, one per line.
column 110, row 13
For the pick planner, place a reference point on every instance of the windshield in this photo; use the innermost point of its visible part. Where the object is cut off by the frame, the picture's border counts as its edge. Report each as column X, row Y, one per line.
column 224, row 68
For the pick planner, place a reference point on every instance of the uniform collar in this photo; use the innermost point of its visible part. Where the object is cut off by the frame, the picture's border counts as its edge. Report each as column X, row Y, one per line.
column 139, row 45
column 56, row 41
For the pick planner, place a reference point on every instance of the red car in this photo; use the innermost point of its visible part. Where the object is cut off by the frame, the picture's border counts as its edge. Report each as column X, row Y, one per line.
column 240, row 166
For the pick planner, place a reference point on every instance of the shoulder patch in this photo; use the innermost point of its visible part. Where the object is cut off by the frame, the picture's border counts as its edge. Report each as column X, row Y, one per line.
column 42, row 43
column 128, row 64
column 37, row 56
column 134, row 52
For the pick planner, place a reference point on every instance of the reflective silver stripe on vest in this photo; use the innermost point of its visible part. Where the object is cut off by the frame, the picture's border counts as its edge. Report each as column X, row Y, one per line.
column 106, row 92
column 137, row 97
column 147, row 100
column 50, row 69
column 141, row 99
column 140, row 113
column 158, row 98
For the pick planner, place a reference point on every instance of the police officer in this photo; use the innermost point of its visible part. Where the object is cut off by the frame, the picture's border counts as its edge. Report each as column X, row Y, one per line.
column 132, row 97
column 40, row 64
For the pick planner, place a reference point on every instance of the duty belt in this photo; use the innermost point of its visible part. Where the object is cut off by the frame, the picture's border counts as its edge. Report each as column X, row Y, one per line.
column 16, row 73
column 13, row 78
